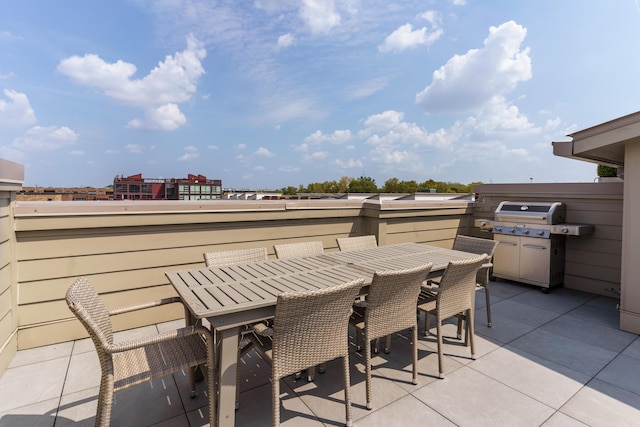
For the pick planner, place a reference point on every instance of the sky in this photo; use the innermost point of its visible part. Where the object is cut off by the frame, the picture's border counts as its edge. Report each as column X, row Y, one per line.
column 267, row 94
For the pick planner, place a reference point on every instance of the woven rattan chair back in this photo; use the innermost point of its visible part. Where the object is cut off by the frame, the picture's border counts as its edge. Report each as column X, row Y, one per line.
column 298, row 250
column 234, row 256
column 134, row 362
column 392, row 299
column 347, row 244
column 310, row 328
column 458, row 285
column 479, row 246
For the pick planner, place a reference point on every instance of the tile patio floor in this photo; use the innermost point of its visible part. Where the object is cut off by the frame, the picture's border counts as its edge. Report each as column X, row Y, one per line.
column 554, row 359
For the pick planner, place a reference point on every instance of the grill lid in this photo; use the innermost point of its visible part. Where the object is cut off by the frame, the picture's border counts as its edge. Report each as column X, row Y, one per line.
column 531, row 212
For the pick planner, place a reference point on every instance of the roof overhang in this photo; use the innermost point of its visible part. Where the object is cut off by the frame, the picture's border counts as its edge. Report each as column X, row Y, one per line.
column 602, row 144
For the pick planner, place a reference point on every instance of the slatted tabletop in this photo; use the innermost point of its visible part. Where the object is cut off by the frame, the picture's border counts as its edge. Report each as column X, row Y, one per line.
column 218, row 291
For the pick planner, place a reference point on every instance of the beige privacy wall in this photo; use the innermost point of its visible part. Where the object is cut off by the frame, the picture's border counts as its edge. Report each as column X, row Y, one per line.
column 11, row 179
column 125, row 248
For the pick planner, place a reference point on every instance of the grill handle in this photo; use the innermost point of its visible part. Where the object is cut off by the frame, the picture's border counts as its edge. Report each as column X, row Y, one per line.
column 530, row 246
column 520, row 218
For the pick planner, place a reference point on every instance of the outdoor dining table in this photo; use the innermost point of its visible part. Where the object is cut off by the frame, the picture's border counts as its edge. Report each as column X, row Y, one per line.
column 233, row 296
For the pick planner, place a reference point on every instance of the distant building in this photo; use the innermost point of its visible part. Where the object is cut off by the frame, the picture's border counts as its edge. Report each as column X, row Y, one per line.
column 62, row 194
column 194, row 187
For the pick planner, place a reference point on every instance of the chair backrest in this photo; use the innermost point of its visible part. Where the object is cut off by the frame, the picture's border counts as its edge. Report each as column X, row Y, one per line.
column 457, row 286
column 311, row 327
column 234, row 256
column 298, row 250
column 475, row 245
column 392, row 299
column 347, row 244
column 86, row 304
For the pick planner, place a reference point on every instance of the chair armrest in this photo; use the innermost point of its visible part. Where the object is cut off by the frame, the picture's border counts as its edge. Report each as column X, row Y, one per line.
column 158, row 338
column 487, row 265
column 145, row 305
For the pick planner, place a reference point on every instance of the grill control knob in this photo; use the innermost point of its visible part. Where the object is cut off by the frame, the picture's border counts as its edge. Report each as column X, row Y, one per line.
column 525, row 232
column 513, row 230
column 540, row 232
column 564, row 229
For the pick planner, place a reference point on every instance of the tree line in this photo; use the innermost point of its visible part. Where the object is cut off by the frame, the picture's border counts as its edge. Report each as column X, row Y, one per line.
column 366, row 184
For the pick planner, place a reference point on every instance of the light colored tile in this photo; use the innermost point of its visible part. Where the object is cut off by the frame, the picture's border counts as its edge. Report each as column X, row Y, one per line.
column 602, row 404
column 541, row 379
column 83, row 346
column 595, row 334
column 40, row 354
column 41, row 414
column 24, row 385
column 407, row 411
column 78, row 409
column 564, row 351
column 561, row 420
column 469, row 398
column 623, row 372
column 456, row 349
column 84, row 372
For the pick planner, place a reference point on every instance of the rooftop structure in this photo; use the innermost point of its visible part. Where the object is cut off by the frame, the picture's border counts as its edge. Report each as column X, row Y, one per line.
column 194, row 187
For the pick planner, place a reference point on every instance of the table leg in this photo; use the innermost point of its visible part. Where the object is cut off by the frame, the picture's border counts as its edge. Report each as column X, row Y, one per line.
column 227, row 365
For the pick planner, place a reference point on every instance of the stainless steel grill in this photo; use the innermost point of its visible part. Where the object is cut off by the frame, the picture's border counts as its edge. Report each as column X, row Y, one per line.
column 531, row 241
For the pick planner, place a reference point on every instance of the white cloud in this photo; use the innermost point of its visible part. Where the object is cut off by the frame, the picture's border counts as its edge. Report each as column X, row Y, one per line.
column 50, row 138
column 6, row 76
column 17, row 111
column 172, row 81
column 166, row 117
column 76, row 152
column 190, row 153
column 212, row 147
column 263, row 152
column 241, row 146
column 286, row 40
column 467, row 82
column 319, row 15
column 405, row 37
column 337, row 137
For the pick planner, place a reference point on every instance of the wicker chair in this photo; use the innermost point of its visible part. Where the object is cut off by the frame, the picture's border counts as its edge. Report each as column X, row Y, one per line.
column 347, row 244
column 454, row 298
column 133, row 362
column 234, row 257
column 389, row 308
column 309, row 328
column 298, row 250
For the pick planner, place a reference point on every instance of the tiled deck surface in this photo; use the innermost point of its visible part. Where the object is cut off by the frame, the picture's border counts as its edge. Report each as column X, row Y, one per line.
column 554, row 359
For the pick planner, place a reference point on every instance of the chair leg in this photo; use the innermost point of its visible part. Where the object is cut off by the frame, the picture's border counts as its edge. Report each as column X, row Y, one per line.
column 347, row 391
column 426, row 323
column 471, row 334
column 275, row 401
column 367, row 361
column 211, row 380
column 440, row 345
column 459, row 333
column 488, row 303
column 105, row 400
column 311, row 374
column 387, row 345
column 414, row 336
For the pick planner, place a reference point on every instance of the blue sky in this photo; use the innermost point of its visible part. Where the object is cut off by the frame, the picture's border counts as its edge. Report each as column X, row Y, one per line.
column 270, row 93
